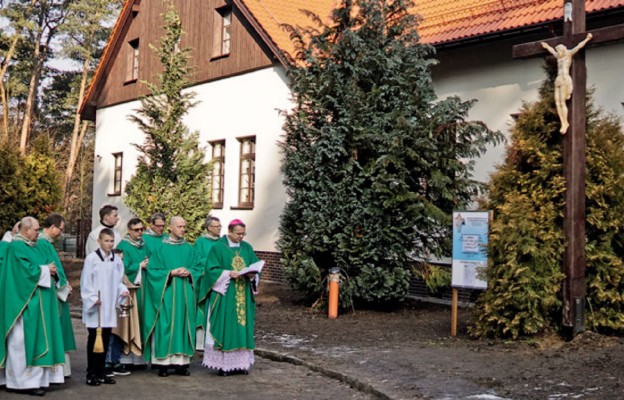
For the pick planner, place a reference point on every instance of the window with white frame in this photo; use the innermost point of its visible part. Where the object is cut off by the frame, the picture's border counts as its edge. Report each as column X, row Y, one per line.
column 117, row 174
column 247, row 172
column 218, row 172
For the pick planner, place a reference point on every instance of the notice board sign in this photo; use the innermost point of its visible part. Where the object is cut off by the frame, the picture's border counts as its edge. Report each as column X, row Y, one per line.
column 470, row 244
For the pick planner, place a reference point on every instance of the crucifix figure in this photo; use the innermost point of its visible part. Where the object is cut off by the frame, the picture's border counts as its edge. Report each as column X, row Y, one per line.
column 572, row 74
column 563, row 83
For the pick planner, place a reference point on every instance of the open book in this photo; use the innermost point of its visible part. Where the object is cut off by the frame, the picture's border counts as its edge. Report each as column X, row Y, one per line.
column 255, row 267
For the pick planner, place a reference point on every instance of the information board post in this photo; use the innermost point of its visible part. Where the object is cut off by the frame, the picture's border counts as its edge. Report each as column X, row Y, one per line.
column 470, row 247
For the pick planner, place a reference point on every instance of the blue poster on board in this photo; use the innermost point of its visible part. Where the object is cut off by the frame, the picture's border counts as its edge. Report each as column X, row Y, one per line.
column 470, row 244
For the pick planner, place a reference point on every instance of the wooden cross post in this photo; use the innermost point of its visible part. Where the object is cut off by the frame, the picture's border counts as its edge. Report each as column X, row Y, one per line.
column 574, row 156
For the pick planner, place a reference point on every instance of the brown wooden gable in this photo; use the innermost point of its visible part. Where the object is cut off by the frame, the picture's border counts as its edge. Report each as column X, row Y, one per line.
column 113, row 83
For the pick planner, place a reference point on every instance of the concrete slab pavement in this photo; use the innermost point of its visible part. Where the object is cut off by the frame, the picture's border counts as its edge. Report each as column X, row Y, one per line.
column 268, row 380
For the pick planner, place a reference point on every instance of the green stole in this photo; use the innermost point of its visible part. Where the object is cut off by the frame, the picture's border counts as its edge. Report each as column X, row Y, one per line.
column 170, row 307
column 202, row 247
column 153, row 241
column 38, row 306
column 134, row 252
column 232, row 316
column 46, row 249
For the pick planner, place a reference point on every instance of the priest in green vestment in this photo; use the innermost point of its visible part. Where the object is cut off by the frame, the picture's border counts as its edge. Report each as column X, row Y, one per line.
column 231, row 304
column 170, row 306
column 135, row 262
column 3, row 247
column 53, row 227
column 202, row 247
column 155, row 234
column 32, row 350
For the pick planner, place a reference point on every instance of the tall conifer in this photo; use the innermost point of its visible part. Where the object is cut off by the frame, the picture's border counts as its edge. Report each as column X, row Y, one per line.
column 172, row 176
column 526, row 244
column 373, row 162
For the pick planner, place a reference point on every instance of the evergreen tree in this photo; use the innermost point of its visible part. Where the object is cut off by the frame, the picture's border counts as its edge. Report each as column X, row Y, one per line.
column 172, row 176
column 30, row 184
column 373, row 163
column 526, row 243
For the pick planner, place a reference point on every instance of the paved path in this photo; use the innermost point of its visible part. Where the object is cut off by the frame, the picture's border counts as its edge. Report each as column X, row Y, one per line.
column 267, row 380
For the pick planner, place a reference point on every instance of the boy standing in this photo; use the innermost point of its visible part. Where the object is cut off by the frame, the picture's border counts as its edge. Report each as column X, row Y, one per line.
column 101, row 289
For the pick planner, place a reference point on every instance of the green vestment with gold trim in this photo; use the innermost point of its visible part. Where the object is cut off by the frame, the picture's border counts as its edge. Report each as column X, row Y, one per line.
column 232, row 315
column 48, row 251
column 37, row 306
column 170, row 306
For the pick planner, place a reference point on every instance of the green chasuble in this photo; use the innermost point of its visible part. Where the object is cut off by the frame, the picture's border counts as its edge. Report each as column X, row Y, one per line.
column 133, row 255
column 46, row 249
column 38, row 306
column 170, row 307
column 232, row 315
column 3, row 247
column 153, row 241
column 202, row 247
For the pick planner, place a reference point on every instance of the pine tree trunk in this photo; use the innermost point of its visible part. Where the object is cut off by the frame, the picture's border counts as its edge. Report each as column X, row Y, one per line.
column 78, row 133
column 30, row 99
column 5, row 102
column 40, row 55
column 69, row 171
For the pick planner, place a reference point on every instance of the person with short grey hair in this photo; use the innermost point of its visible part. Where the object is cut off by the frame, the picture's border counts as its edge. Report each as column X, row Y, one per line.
column 34, row 351
column 202, row 246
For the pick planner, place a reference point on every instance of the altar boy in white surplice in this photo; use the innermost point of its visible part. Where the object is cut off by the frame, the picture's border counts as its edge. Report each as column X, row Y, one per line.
column 102, row 290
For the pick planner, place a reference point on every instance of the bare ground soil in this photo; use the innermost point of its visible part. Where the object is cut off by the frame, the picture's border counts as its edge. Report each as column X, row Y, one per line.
column 408, row 353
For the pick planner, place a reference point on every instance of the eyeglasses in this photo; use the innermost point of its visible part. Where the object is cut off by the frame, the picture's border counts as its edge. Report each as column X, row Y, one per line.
column 159, row 226
column 214, row 226
column 137, row 229
column 59, row 228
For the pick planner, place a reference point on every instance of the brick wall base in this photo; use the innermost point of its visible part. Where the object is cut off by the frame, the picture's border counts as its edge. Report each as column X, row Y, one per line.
column 272, row 271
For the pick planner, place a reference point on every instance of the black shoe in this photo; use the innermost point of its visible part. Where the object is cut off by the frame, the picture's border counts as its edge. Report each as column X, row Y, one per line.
column 239, row 372
column 121, row 370
column 183, row 371
column 32, row 392
column 108, row 370
column 107, row 380
column 223, row 373
column 92, row 381
column 162, row 371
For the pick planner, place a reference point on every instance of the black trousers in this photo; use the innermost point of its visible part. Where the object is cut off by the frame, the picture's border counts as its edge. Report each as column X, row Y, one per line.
column 96, row 362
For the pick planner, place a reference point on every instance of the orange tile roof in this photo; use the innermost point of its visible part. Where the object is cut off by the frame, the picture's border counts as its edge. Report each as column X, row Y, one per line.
column 271, row 14
column 446, row 21
column 442, row 21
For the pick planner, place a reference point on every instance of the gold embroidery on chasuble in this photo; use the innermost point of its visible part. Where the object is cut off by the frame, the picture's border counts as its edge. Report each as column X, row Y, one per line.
column 241, row 311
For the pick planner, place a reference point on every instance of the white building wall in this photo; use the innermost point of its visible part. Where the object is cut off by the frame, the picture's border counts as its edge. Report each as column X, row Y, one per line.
column 501, row 84
column 244, row 105
column 249, row 105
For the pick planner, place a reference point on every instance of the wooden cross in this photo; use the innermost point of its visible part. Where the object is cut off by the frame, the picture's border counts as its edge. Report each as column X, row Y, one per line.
column 574, row 32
